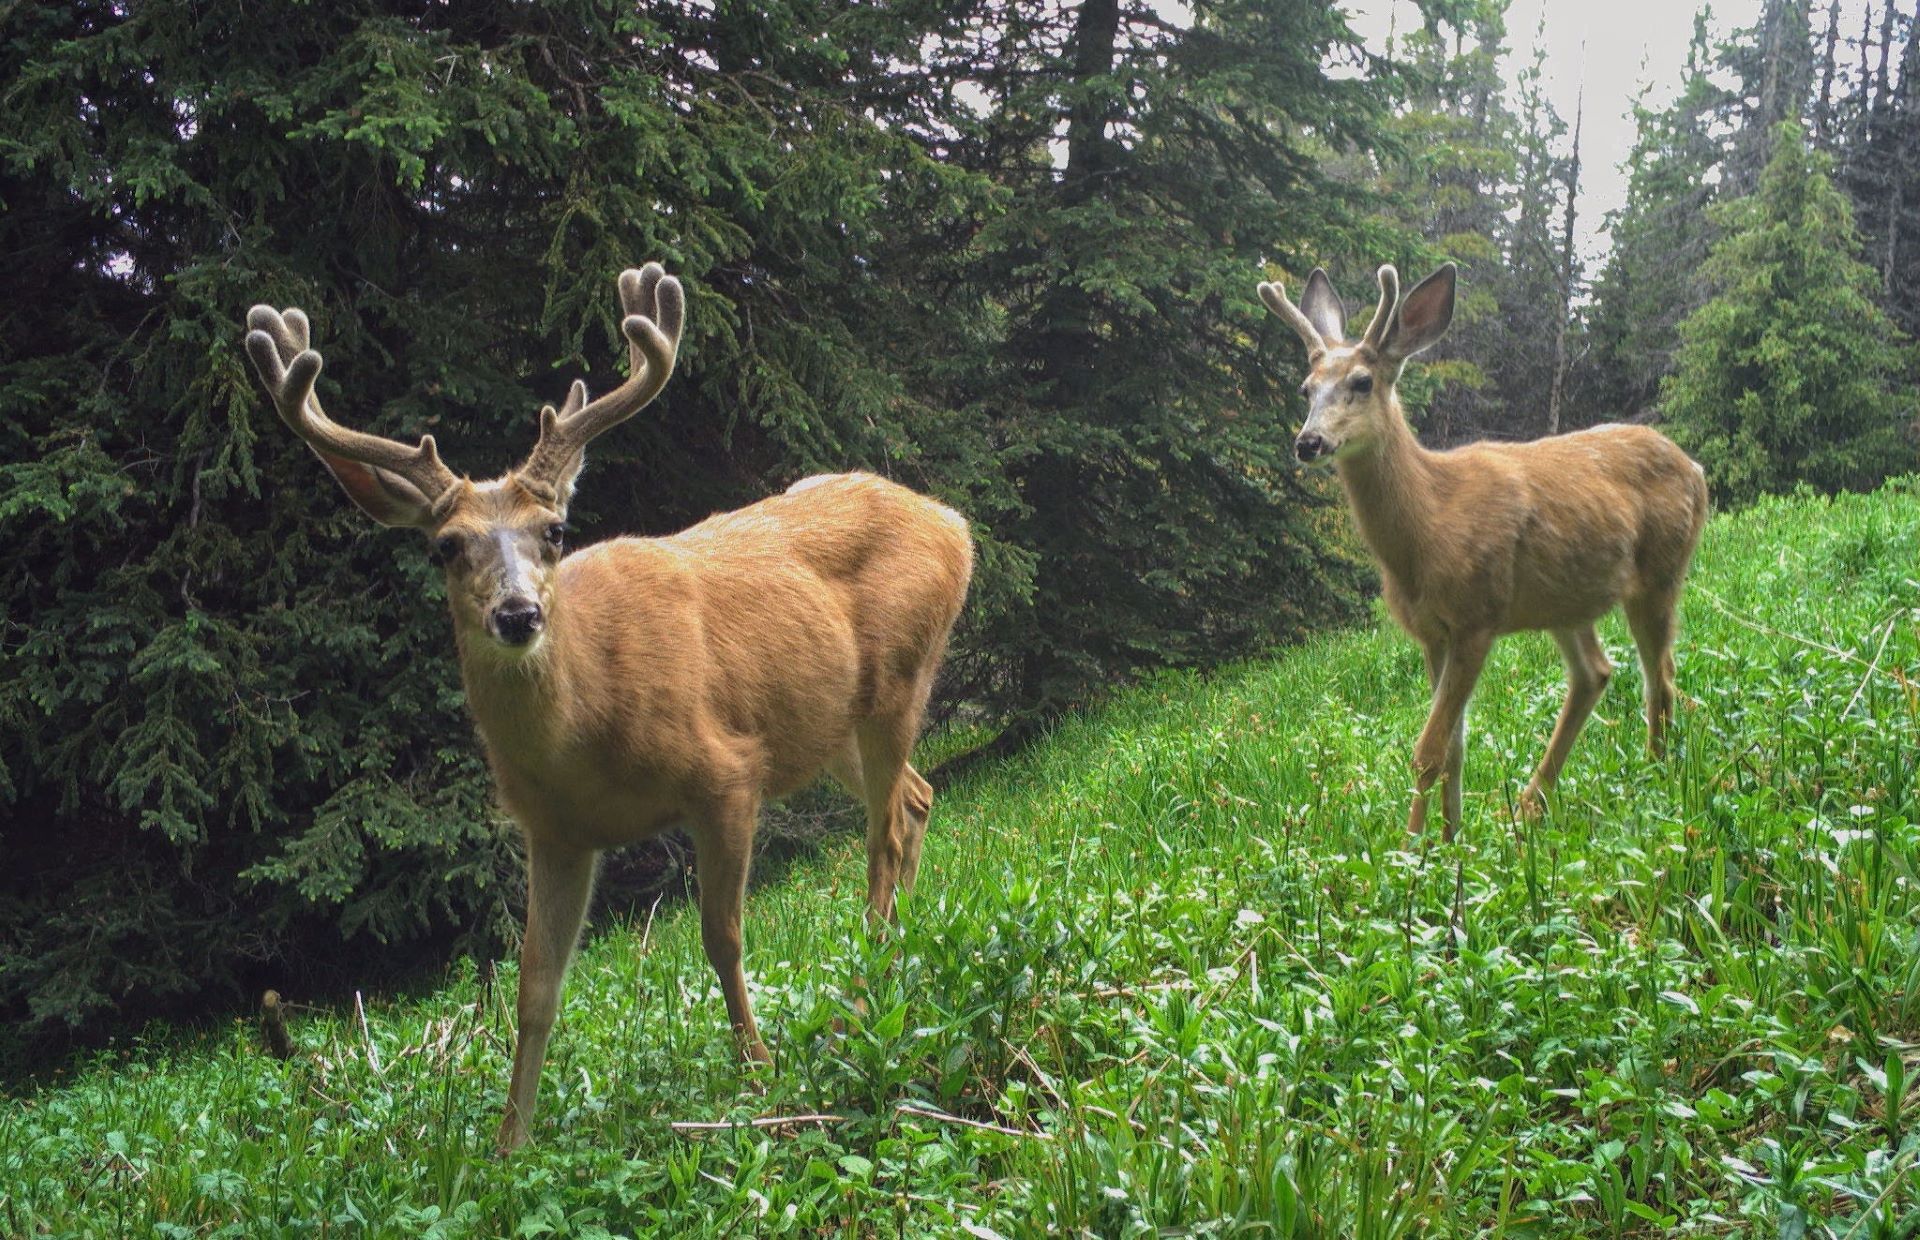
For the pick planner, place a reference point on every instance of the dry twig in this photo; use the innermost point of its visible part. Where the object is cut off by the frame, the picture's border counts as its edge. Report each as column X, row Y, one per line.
column 764, row 1121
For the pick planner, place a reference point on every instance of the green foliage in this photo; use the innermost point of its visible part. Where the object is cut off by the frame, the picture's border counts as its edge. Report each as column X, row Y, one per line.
column 230, row 728
column 1791, row 373
column 1183, row 964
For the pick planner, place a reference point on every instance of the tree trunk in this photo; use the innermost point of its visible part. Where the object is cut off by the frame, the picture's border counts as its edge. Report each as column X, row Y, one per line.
column 1823, row 111
column 1062, row 342
column 1905, row 143
column 1786, row 76
column 1881, row 87
column 1558, row 392
column 1093, row 39
column 1866, row 42
column 1906, row 161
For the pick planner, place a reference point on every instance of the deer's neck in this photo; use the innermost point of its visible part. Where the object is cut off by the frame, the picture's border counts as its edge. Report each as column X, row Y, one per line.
column 519, row 701
column 1390, row 486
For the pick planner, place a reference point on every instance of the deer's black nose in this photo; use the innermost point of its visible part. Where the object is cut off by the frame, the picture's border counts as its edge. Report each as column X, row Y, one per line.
column 1309, row 447
column 516, row 621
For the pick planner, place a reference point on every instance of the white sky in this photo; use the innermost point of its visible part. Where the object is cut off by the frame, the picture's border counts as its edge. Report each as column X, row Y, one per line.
column 1628, row 42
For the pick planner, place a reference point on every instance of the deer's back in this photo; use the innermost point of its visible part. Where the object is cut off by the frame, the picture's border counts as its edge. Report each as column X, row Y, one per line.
column 1578, row 522
column 895, row 562
column 758, row 639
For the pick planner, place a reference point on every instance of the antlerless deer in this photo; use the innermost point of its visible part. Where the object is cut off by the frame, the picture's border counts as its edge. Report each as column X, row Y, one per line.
column 1495, row 538
column 646, row 682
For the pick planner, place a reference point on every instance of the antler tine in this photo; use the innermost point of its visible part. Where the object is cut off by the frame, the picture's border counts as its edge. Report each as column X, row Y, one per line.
column 1275, row 295
column 1389, row 302
column 277, row 341
column 655, row 309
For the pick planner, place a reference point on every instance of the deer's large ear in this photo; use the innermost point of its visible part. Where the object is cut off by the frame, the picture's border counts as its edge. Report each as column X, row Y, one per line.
column 1423, row 315
column 381, row 494
column 1322, row 307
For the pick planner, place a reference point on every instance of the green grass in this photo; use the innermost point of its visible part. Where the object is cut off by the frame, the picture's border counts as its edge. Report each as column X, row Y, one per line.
column 1184, row 962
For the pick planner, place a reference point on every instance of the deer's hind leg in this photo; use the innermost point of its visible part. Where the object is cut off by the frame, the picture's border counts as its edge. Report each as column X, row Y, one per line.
column 723, row 848
column 846, row 770
column 899, row 800
column 1588, row 672
column 916, row 801
column 1651, row 618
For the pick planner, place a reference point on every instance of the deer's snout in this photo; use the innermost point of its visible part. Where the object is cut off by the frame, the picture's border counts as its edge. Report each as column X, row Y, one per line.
column 517, row 620
column 1311, row 446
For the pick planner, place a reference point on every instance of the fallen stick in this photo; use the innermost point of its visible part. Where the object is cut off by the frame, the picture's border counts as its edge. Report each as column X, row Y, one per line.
column 765, row 1121
column 1871, row 667
column 908, row 1108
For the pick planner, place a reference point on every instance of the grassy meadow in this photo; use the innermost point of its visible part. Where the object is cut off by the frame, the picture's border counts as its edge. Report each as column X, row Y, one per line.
column 1178, row 971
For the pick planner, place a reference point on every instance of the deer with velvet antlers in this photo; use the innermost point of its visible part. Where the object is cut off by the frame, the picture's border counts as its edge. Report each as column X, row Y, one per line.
column 642, row 683
column 1493, row 538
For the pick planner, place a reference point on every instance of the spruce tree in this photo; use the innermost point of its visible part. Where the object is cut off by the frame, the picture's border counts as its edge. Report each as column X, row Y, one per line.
column 1660, row 237
column 1790, row 372
column 1153, row 168
column 1485, row 185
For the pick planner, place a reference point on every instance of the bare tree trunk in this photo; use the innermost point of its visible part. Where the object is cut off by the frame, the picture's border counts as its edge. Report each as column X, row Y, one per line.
column 1866, row 42
column 1906, row 118
column 1786, row 79
column 1894, row 206
column 1770, row 28
column 1558, row 391
column 1881, row 87
column 1823, row 111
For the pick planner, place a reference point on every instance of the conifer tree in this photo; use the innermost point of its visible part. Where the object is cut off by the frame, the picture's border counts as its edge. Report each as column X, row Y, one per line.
column 1454, row 185
column 1660, row 239
column 1485, row 185
column 1139, row 391
column 1790, row 372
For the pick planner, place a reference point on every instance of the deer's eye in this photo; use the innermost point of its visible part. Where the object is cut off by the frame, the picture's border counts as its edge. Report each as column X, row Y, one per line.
column 1361, row 384
column 556, row 535
column 445, row 550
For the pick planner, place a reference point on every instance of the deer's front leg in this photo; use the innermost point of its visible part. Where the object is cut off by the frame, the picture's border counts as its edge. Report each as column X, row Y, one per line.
column 1435, row 655
column 559, row 879
column 1440, row 751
